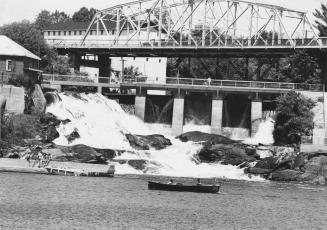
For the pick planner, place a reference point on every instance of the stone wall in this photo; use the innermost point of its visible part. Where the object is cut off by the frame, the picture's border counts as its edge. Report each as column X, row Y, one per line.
column 15, row 99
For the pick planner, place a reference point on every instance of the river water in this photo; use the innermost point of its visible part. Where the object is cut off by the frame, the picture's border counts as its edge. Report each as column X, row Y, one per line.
column 31, row 201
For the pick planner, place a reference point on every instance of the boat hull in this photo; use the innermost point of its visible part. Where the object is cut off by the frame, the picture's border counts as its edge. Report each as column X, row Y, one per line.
column 184, row 188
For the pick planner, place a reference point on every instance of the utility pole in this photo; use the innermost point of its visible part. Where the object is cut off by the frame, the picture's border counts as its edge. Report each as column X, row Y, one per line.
column 122, row 67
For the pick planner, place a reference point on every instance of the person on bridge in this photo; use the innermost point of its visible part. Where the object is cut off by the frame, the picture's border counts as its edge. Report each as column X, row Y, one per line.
column 209, row 81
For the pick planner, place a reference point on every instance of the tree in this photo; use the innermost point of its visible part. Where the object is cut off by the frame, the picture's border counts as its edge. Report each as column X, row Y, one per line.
column 46, row 18
column 84, row 15
column 302, row 68
column 321, row 15
column 131, row 71
column 27, row 35
column 293, row 116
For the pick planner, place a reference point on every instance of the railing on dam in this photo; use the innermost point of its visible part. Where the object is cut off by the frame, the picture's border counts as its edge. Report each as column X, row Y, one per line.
column 185, row 82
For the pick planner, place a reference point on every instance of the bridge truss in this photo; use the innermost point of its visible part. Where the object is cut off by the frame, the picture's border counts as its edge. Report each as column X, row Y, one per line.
column 200, row 24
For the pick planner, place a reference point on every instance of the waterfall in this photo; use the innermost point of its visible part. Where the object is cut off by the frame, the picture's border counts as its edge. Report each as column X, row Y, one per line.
column 101, row 123
column 264, row 134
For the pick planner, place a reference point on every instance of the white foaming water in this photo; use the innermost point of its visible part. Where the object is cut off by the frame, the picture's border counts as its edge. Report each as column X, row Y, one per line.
column 191, row 126
column 264, row 134
column 101, row 123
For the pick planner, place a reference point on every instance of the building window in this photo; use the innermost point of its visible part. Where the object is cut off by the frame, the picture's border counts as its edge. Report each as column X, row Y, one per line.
column 54, row 33
column 9, row 66
column 48, row 33
column 113, row 32
column 64, row 33
column 59, row 33
column 80, row 32
column 75, row 32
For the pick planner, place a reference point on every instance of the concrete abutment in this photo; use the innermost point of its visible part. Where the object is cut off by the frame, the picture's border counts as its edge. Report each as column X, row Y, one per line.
column 256, row 115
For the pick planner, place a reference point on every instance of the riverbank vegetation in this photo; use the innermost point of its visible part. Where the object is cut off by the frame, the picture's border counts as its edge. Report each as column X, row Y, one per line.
column 294, row 118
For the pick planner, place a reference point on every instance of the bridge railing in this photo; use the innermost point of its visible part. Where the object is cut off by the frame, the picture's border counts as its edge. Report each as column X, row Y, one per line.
column 142, row 79
column 156, row 43
column 59, row 77
column 229, row 83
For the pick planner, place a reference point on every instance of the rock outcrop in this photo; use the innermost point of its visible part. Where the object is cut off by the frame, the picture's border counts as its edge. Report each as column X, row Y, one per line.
column 141, row 142
column 232, row 154
column 197, row 136
column 217, row 148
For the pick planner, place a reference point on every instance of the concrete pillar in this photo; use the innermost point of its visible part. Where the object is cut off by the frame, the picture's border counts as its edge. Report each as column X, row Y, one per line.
column 318, row 136
column 104, row 64
column 256, row 115
column 178, row 116
column 99, row 89
column 217, row 115
column 140, row 101
column 75, row 61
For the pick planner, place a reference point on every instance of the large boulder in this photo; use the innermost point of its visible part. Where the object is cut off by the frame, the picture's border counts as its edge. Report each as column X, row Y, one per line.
column 138, row 164
column 286, row 175
column 316, row 170
column 80, row 153
column 196, row 136
column 285, row 160
column 225, row 154
column 50, row 134
column 49, row 119
column 141, row 142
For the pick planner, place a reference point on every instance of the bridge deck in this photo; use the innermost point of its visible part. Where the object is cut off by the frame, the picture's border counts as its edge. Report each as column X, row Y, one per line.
column 192, row 84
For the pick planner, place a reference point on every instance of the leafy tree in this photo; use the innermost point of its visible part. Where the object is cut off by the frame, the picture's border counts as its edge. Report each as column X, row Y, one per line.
column 58, row 16
column 293, row 116
column 131, row 71
column 27, row 35
column 302, row 68
column 45, row 18
column 84, row 15
column 321, row 15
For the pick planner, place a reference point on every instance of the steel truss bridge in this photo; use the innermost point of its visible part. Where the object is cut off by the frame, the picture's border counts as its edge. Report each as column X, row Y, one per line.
column 196, row 28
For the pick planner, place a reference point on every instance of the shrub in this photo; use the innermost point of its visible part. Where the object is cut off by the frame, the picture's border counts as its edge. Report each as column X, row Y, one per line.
column 15, row 128
column 294, row 116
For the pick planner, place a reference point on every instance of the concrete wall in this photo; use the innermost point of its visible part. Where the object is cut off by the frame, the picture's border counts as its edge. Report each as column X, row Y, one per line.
column 178, row 116
column 14, row 97
column 217, row 116
column 256, row 116
column 140, row 106
column 307, row 148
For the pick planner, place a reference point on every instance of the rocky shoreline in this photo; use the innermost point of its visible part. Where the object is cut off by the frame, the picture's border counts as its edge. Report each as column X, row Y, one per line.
column 271, row 162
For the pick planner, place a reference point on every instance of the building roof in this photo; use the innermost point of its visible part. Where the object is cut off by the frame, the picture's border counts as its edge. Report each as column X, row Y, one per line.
column 10, row 48
column 70, row 25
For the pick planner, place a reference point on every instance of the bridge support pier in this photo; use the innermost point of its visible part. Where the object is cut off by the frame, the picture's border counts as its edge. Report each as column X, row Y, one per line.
column 140, row 101
column 256, row 115
column 178, row 115
column 104, row 64
column 216, row 114
column 99, row 89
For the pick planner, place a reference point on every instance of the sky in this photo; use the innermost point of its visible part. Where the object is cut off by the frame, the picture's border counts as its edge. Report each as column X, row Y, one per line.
column 17, row 10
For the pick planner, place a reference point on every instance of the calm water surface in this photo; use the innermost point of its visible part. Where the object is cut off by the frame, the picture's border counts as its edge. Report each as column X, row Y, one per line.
column 30, row 201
